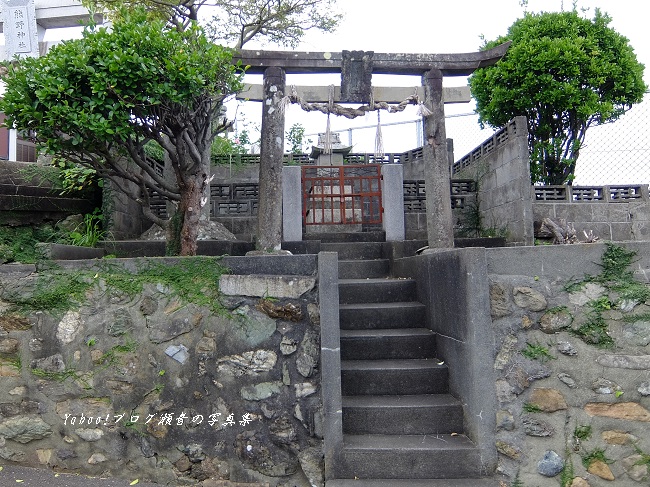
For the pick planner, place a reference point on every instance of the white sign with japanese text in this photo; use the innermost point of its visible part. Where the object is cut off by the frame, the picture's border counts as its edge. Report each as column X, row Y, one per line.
column 21, row 35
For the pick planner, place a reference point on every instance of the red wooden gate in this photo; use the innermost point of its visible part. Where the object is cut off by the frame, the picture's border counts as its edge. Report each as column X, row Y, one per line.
column 336, row 195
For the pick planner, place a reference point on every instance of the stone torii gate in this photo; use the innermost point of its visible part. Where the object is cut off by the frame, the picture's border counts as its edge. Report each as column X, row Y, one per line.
column 356, row 68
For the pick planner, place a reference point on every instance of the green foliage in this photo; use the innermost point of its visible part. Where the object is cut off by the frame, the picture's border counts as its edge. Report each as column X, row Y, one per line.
column 224, row 145
column 600, row 304
column 98, row 101
column 582, row 432
column 65, row 177
column 531, row 408
column 154, row 151
column 64, row 375
column 597, row 454
column 282, row 22
column 295, row 137
column 194, row 280
column 76, row 178
column 18, row 244
column 558, row 309
column 12, row 360
column 615, row 262
column 89, row 232
column 537, row 352
column 568, row 473
column 111, row 357
column 617, row 277
column 237, row 21
column 645, row 458
column 636, row 317
column 564, row 73
column 56, row 290
column 595, row 331
column 517, row 481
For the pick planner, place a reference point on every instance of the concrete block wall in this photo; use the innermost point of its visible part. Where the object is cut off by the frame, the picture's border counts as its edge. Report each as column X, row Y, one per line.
column 614, row 220
column 501, row 167
column 123, row 215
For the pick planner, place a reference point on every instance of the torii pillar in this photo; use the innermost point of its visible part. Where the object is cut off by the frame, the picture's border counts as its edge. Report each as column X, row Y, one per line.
column 432, row 68
column 269, row 212
column 437, row 176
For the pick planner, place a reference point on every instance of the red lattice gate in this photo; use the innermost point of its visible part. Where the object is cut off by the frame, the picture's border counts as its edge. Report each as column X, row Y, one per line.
column 338, row 195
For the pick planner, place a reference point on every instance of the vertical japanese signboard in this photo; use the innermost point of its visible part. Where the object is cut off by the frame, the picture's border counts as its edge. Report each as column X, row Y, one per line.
column 21, row 36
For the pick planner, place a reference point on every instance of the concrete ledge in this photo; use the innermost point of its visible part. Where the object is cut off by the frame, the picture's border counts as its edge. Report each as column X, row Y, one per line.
column 263, row 286
column 68, row 252
column 453, row 285
column 561, row 261
column 294, row 265
column 328, row 297
column 156, row 248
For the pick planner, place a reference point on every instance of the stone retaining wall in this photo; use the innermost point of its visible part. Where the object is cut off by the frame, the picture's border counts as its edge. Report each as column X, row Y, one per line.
column 151, row 386
column 564, row 403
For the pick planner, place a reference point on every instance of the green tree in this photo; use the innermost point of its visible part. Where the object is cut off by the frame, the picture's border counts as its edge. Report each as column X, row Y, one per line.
column 236, row 22
column 295, row 137
column 564, row 73
column 98, row 101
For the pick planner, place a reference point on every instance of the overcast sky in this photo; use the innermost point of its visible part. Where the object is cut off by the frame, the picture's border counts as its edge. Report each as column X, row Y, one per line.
column 427, row 26
column 431, row 26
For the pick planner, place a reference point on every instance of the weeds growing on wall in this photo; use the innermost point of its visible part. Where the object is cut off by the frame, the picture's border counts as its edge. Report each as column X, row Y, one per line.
column 595, row 455
column 645, row 458
column 616, row 277
column 517, row 481
column 193, row 279
column 535, row 351
column 582, row 432
column 568, row 473
column 531, row 408
column 108, row 359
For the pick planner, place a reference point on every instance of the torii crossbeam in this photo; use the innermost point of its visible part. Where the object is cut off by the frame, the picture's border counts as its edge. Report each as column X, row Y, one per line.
column 356, row 68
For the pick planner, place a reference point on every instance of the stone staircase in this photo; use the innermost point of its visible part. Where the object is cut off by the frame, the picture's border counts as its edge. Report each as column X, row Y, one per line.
column 401, row 427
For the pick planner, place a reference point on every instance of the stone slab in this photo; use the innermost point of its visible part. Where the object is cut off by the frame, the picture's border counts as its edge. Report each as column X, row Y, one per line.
column 266, row 286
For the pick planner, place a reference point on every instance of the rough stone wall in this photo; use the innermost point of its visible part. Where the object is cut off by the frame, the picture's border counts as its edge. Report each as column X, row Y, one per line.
column 564, row 403
column 152, row 387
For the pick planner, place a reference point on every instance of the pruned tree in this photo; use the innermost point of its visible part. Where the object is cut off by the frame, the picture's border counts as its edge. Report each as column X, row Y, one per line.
column 99, row 100
column 565, row 73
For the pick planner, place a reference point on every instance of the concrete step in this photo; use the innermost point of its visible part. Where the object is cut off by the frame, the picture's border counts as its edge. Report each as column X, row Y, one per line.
column 361, row 269
column 376, row 236
column 426, row 414
column 387, row 343
column 400, row 377
column 376, row 290
column 355, row 250
column 360, row 316
column 409, row 456
column 413, row 483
